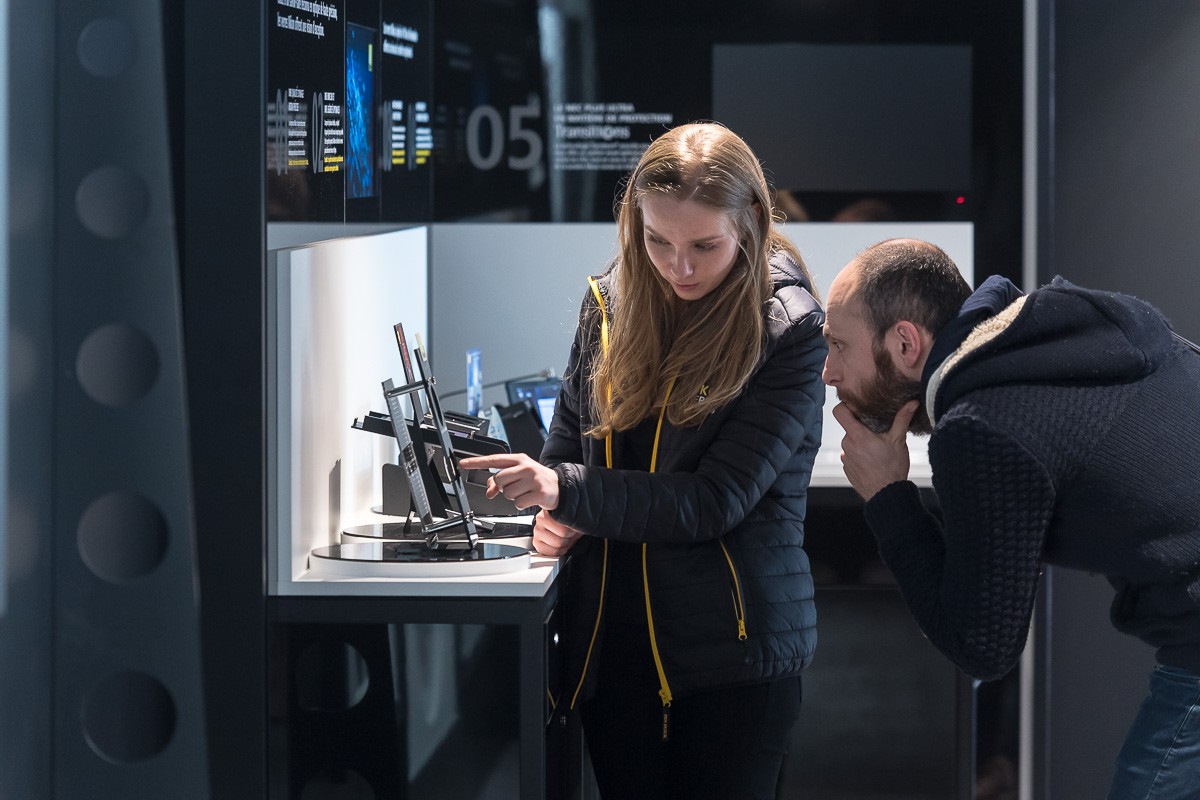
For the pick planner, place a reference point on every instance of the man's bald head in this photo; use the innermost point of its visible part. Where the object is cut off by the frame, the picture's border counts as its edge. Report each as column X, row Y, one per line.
column 903, row 279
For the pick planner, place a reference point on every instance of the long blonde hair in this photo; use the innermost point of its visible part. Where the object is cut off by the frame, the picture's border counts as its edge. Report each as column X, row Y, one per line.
column 709, row 347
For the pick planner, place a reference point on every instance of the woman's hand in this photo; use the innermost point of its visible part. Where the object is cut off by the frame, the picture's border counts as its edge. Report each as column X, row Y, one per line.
column 551, row 537
column 518, row 478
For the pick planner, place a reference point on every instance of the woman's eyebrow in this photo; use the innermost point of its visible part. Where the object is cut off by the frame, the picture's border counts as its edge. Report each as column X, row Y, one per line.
column 701, row 240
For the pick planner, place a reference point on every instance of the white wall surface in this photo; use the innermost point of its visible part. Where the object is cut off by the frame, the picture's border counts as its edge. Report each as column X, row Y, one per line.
column 513, row 290
column 335, row 304
column 826, row 248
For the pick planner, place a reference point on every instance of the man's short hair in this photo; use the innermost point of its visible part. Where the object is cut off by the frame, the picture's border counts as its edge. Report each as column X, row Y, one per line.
column 907, row 279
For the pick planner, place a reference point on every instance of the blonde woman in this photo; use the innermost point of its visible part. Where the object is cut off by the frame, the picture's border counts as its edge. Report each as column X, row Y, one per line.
column 675, row 478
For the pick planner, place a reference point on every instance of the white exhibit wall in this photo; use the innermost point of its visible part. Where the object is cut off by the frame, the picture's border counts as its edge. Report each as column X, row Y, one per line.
column 513, row 290
column 334, row 305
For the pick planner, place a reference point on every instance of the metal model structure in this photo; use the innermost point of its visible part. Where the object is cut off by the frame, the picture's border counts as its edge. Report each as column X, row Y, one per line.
column 440, row 535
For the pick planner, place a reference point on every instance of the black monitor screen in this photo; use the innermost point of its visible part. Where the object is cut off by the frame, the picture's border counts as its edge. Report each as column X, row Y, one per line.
column 542, row 393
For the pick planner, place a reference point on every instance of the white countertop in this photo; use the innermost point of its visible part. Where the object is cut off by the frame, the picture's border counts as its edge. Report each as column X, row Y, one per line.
column 532, row 582
column 827, row 469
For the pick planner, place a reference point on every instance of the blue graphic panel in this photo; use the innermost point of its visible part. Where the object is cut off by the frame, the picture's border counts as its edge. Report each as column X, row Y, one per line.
column 360, row 128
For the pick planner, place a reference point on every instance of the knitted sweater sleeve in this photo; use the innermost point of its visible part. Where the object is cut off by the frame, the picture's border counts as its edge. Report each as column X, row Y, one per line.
column 970, row 581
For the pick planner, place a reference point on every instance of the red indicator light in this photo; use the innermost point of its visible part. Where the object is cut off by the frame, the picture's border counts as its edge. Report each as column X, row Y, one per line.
column 961, row 200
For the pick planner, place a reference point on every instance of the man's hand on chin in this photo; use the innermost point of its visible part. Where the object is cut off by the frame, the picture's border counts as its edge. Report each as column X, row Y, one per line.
column 871, row 461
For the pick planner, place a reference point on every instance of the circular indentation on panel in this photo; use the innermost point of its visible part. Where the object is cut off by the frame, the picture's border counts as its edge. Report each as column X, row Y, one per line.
column 128, row 717
column 122, row 536
column 112, row 202
column 106, row 47
column 342, row 784
column 330, row 676
column 116, row 365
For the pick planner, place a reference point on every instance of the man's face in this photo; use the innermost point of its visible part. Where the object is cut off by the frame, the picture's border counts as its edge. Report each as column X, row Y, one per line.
column 861, row 370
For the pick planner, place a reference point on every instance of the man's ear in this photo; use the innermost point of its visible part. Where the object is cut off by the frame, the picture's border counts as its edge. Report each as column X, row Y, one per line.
column 909, row 346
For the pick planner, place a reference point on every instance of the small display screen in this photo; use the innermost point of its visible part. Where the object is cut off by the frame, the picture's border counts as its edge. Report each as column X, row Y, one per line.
column 542, row 393
column 545, row 409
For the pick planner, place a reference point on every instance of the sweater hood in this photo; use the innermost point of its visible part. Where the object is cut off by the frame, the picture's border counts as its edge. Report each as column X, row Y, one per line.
column 1060, row 333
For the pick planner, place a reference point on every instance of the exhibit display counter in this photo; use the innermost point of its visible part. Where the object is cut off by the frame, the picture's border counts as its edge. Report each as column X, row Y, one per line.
column 442, row 678
column 420, row 687
column 400, row 665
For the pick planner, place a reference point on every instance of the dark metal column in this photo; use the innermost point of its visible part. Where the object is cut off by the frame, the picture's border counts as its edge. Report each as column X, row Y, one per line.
column 128, row 704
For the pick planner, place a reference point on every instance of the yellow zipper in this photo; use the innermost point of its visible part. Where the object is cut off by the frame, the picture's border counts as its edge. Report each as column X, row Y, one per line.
column 665, row 691
column 608, row 461
column 739, row 608
column 596, row 628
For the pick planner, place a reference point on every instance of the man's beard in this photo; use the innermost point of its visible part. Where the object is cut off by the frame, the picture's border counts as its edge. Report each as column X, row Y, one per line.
column 879, row 401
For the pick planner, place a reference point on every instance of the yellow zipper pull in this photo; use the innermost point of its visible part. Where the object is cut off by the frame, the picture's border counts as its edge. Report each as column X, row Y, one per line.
column 739, row 608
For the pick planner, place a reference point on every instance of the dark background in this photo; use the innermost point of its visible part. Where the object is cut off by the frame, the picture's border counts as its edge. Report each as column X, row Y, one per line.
column 926, row 128
column 1116, row 185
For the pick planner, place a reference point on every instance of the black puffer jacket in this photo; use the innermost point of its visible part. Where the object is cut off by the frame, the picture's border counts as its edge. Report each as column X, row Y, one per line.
column 729, row 591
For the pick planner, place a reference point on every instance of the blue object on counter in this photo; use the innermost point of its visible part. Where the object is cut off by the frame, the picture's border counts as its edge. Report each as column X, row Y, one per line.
column 474, row 382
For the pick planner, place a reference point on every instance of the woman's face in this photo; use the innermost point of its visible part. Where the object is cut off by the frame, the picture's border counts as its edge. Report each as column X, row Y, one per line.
column 693, row 246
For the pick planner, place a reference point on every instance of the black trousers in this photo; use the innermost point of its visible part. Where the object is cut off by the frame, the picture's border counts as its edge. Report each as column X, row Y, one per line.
column 725, row 743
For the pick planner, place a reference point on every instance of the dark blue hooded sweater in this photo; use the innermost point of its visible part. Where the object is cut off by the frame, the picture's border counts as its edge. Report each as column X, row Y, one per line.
column 1067, row 431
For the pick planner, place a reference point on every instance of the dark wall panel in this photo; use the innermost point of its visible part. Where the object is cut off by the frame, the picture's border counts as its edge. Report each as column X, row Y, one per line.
column 1127, row 164
column 1121, row 192
column 221, row 223
column 127, row 699
column 1097, row 682
column 816, row 112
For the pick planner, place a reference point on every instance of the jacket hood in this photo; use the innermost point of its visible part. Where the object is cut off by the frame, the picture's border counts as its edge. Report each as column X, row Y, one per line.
column 785, row 271
column 1060, row 333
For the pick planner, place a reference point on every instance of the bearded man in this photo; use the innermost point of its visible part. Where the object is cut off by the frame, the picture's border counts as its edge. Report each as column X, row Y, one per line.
column 1064, row 429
